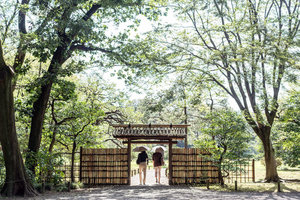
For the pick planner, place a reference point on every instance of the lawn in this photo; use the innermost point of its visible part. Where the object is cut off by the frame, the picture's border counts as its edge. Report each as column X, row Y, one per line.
column 284, row 172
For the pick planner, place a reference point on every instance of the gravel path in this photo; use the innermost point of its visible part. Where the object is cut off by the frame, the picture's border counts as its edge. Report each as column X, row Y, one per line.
column 150, row 179
column 160, row 192
column 163, row 192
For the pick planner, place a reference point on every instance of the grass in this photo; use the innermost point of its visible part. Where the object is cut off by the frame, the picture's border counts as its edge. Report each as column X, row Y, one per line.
column 284, row 172
column 257, row 187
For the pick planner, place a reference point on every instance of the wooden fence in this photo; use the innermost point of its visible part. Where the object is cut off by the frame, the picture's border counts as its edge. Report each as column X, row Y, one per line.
column 240, row 171
column 190, row 167
column 104, row 166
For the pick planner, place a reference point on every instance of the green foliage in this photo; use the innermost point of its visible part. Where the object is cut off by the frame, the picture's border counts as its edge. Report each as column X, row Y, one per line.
column 288, row 129
column 47, row 169
column 231, row 139
column 77, row 185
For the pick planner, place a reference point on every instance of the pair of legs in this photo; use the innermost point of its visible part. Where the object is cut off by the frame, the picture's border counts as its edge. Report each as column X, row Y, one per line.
column 157, row 173
column 142, row 168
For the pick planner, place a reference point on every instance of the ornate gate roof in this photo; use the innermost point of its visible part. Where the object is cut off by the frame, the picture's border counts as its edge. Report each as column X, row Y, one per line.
column 151, row 131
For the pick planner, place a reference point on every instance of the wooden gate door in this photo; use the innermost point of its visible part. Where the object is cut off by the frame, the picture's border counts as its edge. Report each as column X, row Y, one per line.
column 189, row 166
column 104, row 166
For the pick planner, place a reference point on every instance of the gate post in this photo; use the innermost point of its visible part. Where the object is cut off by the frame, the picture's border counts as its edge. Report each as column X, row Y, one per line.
column 253, row 171
column 129, row 161
column 170, row 163
column 80, row 166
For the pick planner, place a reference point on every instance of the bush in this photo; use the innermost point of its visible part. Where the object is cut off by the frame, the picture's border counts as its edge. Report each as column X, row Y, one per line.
column 61, row 188
column 47, row 169
column 77, row 185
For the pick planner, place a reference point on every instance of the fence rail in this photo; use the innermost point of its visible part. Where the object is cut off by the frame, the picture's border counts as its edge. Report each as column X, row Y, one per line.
column 189, row 167
column 242, row 172
column 104, row 166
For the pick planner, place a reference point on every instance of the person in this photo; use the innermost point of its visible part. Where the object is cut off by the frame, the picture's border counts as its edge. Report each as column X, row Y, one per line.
column 158, row 161
column 142, row 162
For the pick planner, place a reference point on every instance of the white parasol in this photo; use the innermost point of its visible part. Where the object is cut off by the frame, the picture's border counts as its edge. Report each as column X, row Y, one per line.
column 160, row 149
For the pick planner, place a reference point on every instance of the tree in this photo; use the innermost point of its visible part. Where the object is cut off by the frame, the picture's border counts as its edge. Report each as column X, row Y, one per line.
column 65, row 28
column 81, row 119
column 75, row 27
column 231, row 138
column 16, row 181
column 61, row 95
column 248, row 49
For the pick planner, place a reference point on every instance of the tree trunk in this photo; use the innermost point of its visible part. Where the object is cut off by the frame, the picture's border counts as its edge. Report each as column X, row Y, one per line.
column 39, row 107
column 17, row 182
column 270, row 161
column 220, row 175
column 53, row 139
column 73, row 160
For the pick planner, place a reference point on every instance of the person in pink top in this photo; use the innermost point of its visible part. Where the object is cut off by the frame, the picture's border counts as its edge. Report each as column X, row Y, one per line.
column 158, row 161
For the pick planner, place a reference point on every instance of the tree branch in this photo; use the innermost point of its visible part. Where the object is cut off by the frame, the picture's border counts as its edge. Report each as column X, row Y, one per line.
column 20, row 55
column 88, row 48
column 114, row 141
column 9, row 22
column 82, row 129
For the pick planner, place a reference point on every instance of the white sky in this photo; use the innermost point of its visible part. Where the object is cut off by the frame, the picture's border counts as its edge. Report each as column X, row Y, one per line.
column 145, row 26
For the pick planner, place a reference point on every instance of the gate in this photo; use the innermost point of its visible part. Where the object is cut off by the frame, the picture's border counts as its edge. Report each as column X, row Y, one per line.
column 189, row 167
column 104, row 166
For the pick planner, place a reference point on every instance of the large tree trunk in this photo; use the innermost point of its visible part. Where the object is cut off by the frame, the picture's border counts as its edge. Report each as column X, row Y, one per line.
column 17, row 182
column 270, row 161
column 269, row 153
column 40, row 106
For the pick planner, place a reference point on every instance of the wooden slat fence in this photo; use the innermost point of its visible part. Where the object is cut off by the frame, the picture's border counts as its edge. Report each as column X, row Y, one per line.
column 189, row 167
column 104, row 166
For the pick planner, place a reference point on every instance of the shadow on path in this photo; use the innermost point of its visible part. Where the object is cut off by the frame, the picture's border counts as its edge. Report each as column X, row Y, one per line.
column 164, row 192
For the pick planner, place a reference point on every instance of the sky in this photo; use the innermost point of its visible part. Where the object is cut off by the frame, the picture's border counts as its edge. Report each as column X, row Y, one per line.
column 145, row 26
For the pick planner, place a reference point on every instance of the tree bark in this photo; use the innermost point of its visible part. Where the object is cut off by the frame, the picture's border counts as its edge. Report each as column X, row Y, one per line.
column 220, row 175
column 270, row 161
column 73, row 160
column 53, row 140
column 17, row 182
column 39, row 107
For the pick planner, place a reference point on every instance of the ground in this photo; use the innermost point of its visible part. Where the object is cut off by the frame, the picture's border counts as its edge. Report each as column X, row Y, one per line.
column 160, row 192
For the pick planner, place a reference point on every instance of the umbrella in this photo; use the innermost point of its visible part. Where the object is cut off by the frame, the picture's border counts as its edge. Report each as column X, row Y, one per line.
column 140, row 148
column 160, row 149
